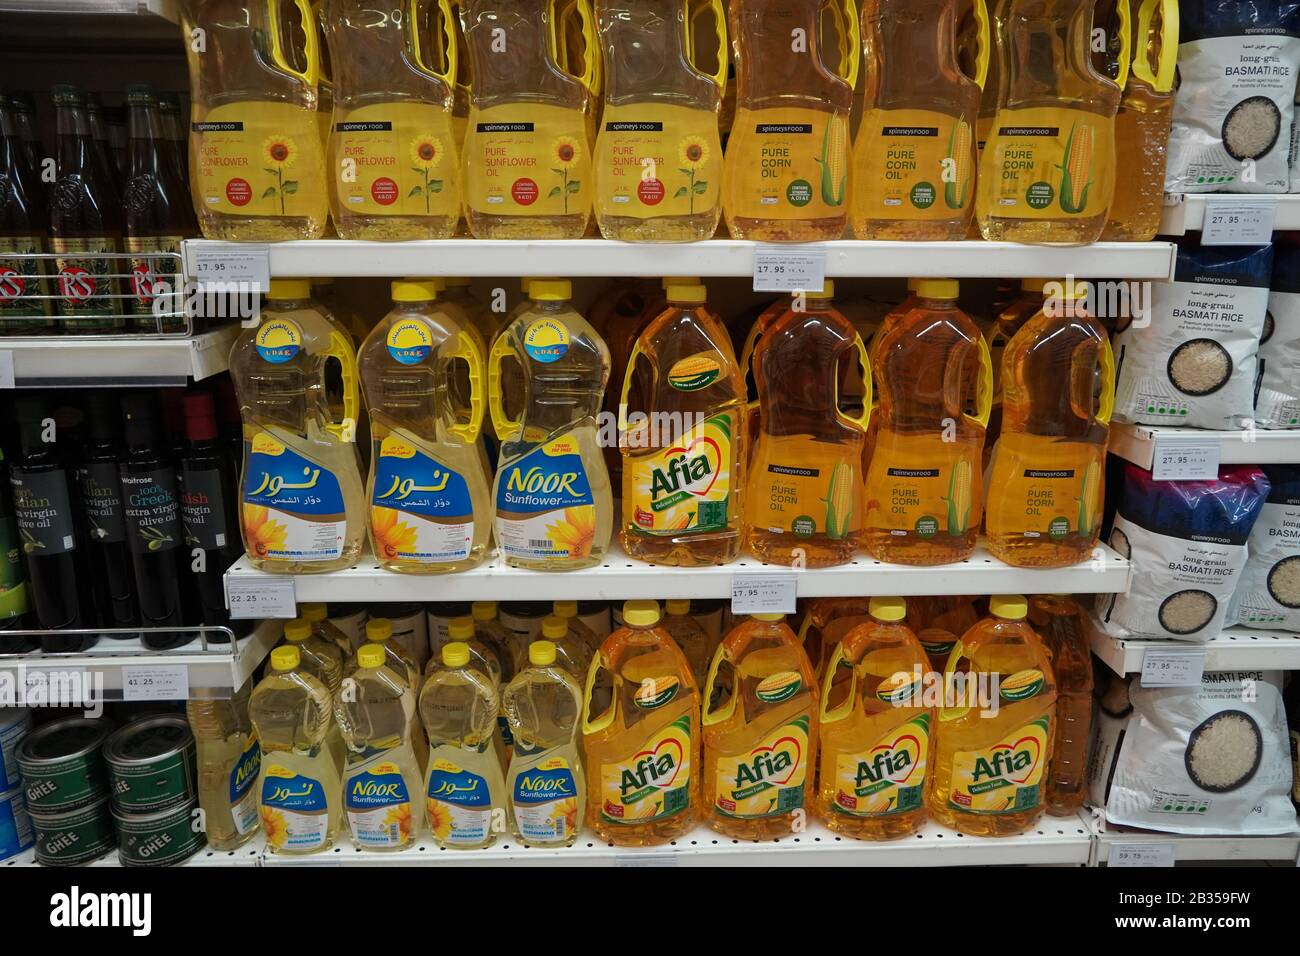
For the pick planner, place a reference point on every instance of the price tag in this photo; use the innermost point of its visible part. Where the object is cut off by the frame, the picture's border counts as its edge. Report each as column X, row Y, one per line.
column 645, row 859
column 762, row 593
column 260, row 596
column 789, row 268
column 1234, row 222
column 1173, row 667
column 1186, row 460
column 245, row 263
column 6, row 369
column 1141, row 855
column 156, row 683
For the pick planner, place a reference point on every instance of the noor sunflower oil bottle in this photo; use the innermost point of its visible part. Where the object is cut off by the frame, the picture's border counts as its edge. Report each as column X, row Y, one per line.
column 1047, row 174
column 658, row 153
column 934, row 384
column 914, row 159
column 760, row 739
column 993, row 738
column 393, row 156
column 786, row 167
column 554, row 504
column 682, row 438
column 527, row 162
column 257, row 165
column 643, row 749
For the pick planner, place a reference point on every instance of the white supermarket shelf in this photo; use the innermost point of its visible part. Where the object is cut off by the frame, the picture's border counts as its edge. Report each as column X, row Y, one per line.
column 1184, row 214
column 67, row 361
column 250, row 854
column 1200, row 849
column 715, row 257
column 166, row 9
column 1141, row 444
column 1236, row 648
column 620, row 577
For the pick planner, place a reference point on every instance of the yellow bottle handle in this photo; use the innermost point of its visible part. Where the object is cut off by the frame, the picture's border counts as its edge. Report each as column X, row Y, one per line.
column 341, row 348
column 1107, row 359
column 851, row 36
column 502, row 424
column 720, row 21
column 449, row 38
column 1162, row 78
column 954, row 658
column 311, row 47
column 868, row 395
column 467, row 348
column 984, row 42
column 591, row 47
column 983, row 386
column 590, row 726
column 804, row 627
column 713, row 717
column 747, row 357
column 627, row 387
column 828, row 679
column 1125, row 43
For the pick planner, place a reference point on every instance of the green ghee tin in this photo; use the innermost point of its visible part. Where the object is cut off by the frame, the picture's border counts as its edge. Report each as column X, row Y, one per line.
column 62, row 767
column 78, row 836
column 164, row 838
column 151, row 765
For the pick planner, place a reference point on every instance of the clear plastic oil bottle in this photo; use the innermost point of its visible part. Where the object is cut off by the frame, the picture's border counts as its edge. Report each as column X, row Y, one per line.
column 229, row 761
column 1059, row 621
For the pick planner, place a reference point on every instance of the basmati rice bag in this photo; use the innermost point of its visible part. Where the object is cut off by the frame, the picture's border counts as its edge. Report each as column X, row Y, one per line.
column 1278, row 402
column 1268, row 595
column 1210, row 759
column 1187, row 542
column 1235, row 103
column 1195, row 362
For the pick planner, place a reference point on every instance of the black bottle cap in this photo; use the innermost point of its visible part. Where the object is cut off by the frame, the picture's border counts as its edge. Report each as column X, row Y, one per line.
column 102, row 417
column 140, row 413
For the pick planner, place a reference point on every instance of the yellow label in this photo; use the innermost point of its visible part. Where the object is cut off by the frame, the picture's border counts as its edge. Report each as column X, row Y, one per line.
column 695, row 372
column 1006, row 777
column 787, row 163
column 887, row 777
column 922, row 488
column 805, row 487
column 769, row 779
column 1047, row 489
column 257, row 158
column 654, row 159
column 653, row 782
column 913, row 164
column 527, row 159
column 686, row 487
column 264, row 443
column 396, row 159
column 1048, row 163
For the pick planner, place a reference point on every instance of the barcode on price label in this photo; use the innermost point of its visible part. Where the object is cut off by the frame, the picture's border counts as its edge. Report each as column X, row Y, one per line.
column 1238, row 222
column 161, row 682
column 258, row 597
column 1172, row 667
column 763, row 593
column 249, row 264
column 1186, row 461
column 783, row 269
column 1140, row 855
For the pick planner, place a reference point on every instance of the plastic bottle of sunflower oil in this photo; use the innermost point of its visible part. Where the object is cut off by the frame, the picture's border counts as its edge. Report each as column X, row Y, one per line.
column 379, row 633
column 229, row 760
column 554, row 504
column 257, row 165
column 323, row 661
column 303, row 500
column 571, row 614
column 317, row 615
column 571, row 653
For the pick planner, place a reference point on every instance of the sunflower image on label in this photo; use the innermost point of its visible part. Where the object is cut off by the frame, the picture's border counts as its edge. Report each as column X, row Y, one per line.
column 803, row 487
column 787, row 161
column 378, row 805
column 889, row 776
column 292, row 507
column 545, row 800
column 928, row 501
column 768, row 779
column 459, row 804
column 545, row 507
column 278, row 341
column 527, row 159
column 421, row 509
column 914, row 164
column 687, row 487
column 295, row 815
column 657, row 160
column 242, row 796
column 259, row 159
column 395, row 159
column 653, row 782
column 1050, row 163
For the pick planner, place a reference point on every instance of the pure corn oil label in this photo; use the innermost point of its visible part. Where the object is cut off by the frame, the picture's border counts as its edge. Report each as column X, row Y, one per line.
column 687, row 487
column 922, row 500
column 887, row 777
column 421, row 509
column 1047, row 500
column 545, row 507
column 294, row 809
column 657, row 160
column 1006, row 777
column 240, row 792
column 1049, row 163
column 695, row 372
column 768, row 779
column 545, row 800
column 378, row 805
column 395, row 159
column 653, row 782
column 278, row 340
column 787, row 163
column 19, row 280
column 82, row 278
column 409, row 341
column 806, row 487
column 459, row 803
column 292, row 507
column 258, row 158
column 527, row 159
column 152, row 276
column 913, row 164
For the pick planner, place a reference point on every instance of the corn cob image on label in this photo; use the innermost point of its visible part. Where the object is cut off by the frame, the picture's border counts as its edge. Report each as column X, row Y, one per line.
column 804, row 487
column 1043, row 499
column 787, row 162
column 1049, row 163
column 687, row 487
column 928, row 499
column 913, row 164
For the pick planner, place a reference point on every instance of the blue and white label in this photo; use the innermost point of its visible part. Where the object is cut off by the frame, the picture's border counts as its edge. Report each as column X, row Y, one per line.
column 295, row 810
column 242, row 796
column 378, row 805
column 545, row 508
column 292, row 507
column 546, row 340
column 544, row 800
column 410, row 341
column 278, row 340
column 459, row 803
column 420, row 509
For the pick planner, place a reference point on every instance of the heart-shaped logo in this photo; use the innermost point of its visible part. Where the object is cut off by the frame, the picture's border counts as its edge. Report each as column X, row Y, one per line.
column 1031, row 744
column 904, row 743
column 711, row 452
column 670, row 745
column 787, row 743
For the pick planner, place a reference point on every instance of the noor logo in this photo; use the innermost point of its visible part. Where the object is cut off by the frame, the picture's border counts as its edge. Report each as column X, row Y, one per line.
column 688, row 469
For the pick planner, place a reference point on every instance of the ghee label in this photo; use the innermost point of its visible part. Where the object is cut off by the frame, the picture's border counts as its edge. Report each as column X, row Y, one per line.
column 887, row 777
column 527, row 159
column 805, row 487
column 787, row 163
column 684, row 488
column 395, row 159
column 657, row 160
column 913, row 164
column 652, row 783
column 768, row 779
column 1006, row 777
column 1048, row 163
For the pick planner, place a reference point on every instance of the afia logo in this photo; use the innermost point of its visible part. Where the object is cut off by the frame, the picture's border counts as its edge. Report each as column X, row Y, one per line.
column 1014, row 761
column 691, row 468
column 893, row 761
column 76, row 284
column 655, row 768
column 775, row 764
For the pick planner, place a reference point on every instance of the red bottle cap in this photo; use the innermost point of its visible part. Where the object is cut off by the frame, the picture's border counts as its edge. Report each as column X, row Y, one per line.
column 200, row 417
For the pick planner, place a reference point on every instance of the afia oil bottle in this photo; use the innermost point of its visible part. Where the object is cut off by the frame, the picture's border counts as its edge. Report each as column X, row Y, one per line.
column 554, row 504
column 993, row 738
column 786, row 169
column 875, row 731
column 302, row 501
column 1058, row 392
column 1059, row 621
column 760, row 737
column 658, row 170
column 430, row 503
column 803, row 503
column 933, row 384
column 643, row 748
column 681, row 427
column 257, row 164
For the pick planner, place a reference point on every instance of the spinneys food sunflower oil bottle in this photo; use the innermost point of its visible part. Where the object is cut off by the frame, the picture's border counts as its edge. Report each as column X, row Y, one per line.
column 1047, row 174
column 875, row 743
column 787, row 159
column 527, row 163
column 1059, row 621
column 303, row 501
column 760, row 739
column 923, row 490
column 658, row 154
column 554, row 505
column 257, row 165
column 1048, row 468
column 682, row 439
column 642, row 749
column 994, row 735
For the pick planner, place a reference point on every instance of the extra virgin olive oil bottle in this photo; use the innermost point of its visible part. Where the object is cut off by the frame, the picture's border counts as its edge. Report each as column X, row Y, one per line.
column 112, row 579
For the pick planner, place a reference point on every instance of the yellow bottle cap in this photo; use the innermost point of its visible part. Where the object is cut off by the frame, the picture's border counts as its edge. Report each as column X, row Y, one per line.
column 938, row 288
column 690, row 294
column 680, row 280
column 554, row 628
column 484, row 610
column 455, row 654
column 641, row 613
column 1072, row 290
column 313, row 612
column 1032, row 285
column 297, row 630
column 565, row 609
column 289, row 289
column 550, row 290
column 371, row 655
column 461, row 628
column 887, row 608
column 768, row 617
column 541, row 653
column 457, row 281
column 913, row 285
column 1009, row 607
column 414, row 290
column 677, row 606
column 285, row 658
column 379, row 629
column 827, row 291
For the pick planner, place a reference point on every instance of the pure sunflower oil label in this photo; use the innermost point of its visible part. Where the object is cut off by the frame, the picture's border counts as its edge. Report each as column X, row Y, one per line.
column 545, row 800
column 913, row 164
column 657, row 160
column 787, row 163
column 1006, row 777
column 240, row 792
column 378, row 805
column 395, row 159
column 527, row 159
column 17, row 285
column 421, row 509
column 889, row 776
column 292, row 507
column 687, row 487
column 922, row 500
column 770, row 778
column 295, row 812
column 804, row 487
column 459, row 804
column 652, row 783
column 545, row 507
column 1049, row 163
